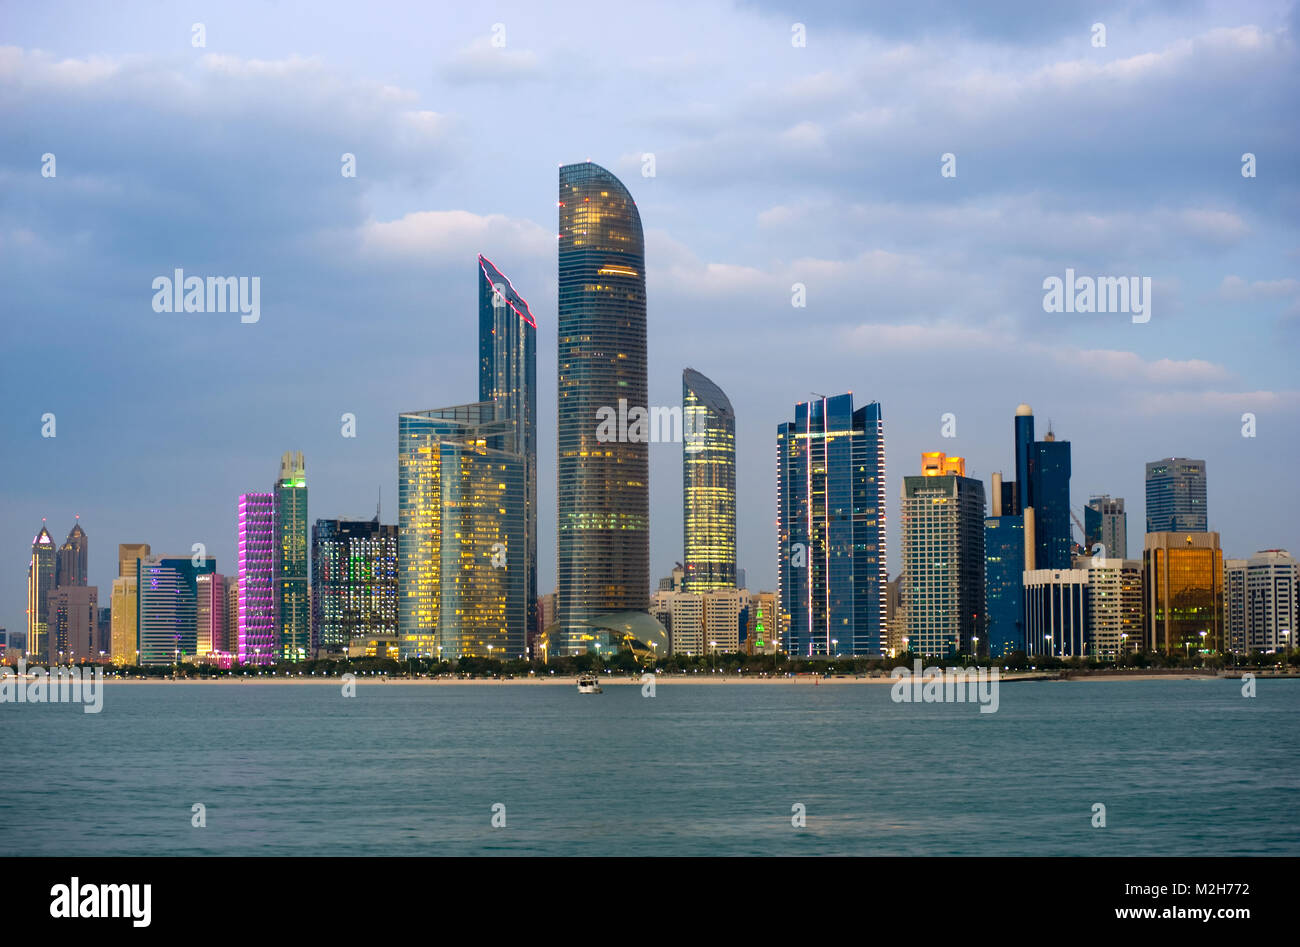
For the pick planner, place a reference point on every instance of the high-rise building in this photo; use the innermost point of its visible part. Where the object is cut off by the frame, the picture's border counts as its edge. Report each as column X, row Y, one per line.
column 708, row 485
column 1234, row 605
column 122, row 602
column 1176, row 496
column 104, row 631
column 763, row 629
column 603, row 498
column 1051, row 506
column 210, row 614
column 1057, row 605
column 353, row 581
column 71, row 568
column 507, row 340
column 257, row 641
column 73, row 622
column 292, row 596
column 167, row 607
column 40, row 583
column 1114, row 605
column 1105, row 522
column 1272, row 583
column 462, row 585
column 830, row 495
column 1004, row 590
column 1182, row 584
column 943, row 558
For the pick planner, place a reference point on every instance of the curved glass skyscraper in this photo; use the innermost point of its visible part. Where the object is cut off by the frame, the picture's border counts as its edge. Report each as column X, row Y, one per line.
column 708, row 485
column 603, row 522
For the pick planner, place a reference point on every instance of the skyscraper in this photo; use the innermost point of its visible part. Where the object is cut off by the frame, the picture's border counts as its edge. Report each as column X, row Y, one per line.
column 292, row 597
column 1050, row 478
column 830, row 495
column 1004, row 590
column 1176, row 496
column 460, row 534
column 1057, row 603
column 603, row 500
column 71, row 566
column 73, row 623
column 1182, row 584
column 40, row 582
column 1105, row 522
column 943, row 558
column 257, row 642
column 708, row 485
column 167, row 607
column 507, row 340
column 123, row 600
column 353, row 581
column 1114, row 605
column 210, row 613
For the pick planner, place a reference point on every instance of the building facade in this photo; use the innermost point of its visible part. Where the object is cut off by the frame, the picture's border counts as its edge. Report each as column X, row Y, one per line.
column 1057, row 606
column 1234, row 605
column 1272, row 581
column 209, row 614
column 708, row 485
column 943, row 558
column 1115, row 606
column 1105, row 522
column 292, row 596
column 257, row 638
column 73, row 625
column 1182, row 584
column 353, row 581
column 72, row 565
column 462, row 587
column 1004, row 590
column 1175, row 490
column 40, row 583
column 603, row 499
column 831, row 570
column 167, row 607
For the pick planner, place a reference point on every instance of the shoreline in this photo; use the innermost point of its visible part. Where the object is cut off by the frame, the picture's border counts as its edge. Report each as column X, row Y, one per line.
column 661, row 679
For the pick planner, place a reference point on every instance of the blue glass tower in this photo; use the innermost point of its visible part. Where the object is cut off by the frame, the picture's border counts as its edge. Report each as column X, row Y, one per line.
column 831, row 573
column 1050, row 490
column 1004, row 564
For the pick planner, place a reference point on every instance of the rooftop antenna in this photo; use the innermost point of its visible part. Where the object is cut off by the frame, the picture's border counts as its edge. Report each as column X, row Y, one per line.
column 379, row 503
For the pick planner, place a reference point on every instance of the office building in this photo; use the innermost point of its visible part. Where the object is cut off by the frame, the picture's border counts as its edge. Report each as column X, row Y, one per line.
column 1056, row 612
column 167, row 607
column 1182, row 587
column 1114, row 607
column 1272, row 581
column 40, row 583
column 943, row 557
column 1004, row 596
column 292, row 595
column 257, row 641
column 1234, row 605
column 831, row 572
column 353, row 581
column 1176, row 496
column 461, row 591
column 508, row 377
column 1105, row 522
column 210, row 614
column 708, row 485
column 73, row 622
column 71, row 567
column 603, row 499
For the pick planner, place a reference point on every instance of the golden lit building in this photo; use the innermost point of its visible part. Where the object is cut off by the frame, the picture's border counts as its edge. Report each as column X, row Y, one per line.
column 1182, row 577
column 709, row 485
column 122, row 600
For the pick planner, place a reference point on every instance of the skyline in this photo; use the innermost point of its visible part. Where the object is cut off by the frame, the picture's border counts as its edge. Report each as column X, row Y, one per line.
column 721, row 256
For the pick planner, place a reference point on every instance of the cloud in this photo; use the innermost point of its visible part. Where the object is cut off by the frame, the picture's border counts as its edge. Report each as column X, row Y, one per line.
column 482, row 62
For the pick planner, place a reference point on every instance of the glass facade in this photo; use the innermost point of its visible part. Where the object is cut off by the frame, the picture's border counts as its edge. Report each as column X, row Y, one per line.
column 1051, row 495
column 1057, row 603
column 292, row 598
column 1176, row 496
column 831, row 527
column 1004, row 568
column 603, row 511
column 71, row 566
column 461, row 535
column 708, row 485
column 353, row 581
column 40, row 583
column 167, row 607
column 1105, row 522
column 507, row 338
column 1182, row 580
column 943, row 563
column 257, row 642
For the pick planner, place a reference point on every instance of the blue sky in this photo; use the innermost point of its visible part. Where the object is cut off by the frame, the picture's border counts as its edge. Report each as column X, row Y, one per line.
column 774, row 164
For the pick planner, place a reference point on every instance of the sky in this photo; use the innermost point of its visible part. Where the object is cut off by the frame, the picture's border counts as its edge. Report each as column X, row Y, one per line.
column 775, row 163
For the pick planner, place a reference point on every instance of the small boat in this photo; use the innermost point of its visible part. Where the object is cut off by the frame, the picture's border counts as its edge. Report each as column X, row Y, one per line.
column 588, row 684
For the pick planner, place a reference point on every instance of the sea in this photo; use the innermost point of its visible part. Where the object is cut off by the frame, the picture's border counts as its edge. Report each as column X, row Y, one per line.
column 1170, row 767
